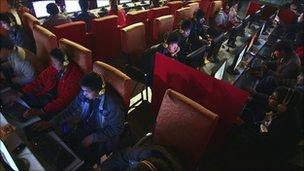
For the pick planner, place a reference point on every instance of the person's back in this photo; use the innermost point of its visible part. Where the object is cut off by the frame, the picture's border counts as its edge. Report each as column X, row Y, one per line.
column 121, row 14
column 55, row 18
column 85, row 15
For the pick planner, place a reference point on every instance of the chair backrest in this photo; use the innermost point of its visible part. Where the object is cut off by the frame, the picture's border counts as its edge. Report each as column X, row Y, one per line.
column 29, row 21
column 174, row 5
column 79, row 54
column 4, row 6
column 161, row 26
column 205, row 6
column 133, row 41
column 158, row 12
column 30, row 56
column 74, row 31
column 184, row 125
column 106, row 38
column 214, row 6
column 45, row 41
column 254, row 6
column 181, row 14
column 119, row 81
column 193, row 8
column 287, row 16
column 137, row 16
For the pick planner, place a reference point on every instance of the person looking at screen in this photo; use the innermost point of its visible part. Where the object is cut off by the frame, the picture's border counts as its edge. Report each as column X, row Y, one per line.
column 85, row 15
column 55, row 18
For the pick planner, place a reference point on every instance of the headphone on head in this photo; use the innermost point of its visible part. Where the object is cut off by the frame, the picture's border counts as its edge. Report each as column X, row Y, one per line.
column 66, row 60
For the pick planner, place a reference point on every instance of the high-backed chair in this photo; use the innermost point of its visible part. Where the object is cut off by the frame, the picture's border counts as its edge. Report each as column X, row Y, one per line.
column 133, row 42
column 253, row 7
column 184, row 125
column 79, row 54
column 74, row 31
column 193, row 7
column 158, row 12
column 174, row 5
column 287, row 16
column 137, row 16
column 30, row 56
column 4, row 6
column 105, row 38
column 161, row 26
column 29, row 21
column 117, row 79
column 205, row 6
column 181, row 14
column 214, row 6
column 45, row 41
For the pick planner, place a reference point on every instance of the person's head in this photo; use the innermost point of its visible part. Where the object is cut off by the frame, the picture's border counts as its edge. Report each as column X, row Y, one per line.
column 52, row 9
column 171, row 42
column 7, row 21
column 92, row 85
column 282, row 49
column 199, row 16
column 283, row 98
column 185, row 27
column 6, row 46
column 84, row 5
column 113, row 5
column 59, row 59
column 152, row 164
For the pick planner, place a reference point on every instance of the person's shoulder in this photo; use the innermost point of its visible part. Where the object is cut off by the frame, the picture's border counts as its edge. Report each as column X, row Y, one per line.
column 113, row 98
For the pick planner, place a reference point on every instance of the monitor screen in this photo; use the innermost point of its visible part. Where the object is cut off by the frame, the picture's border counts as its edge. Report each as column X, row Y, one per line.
column 7, row 158
column 262, row 30
column 125, row 1
column 102, row 3
column 240, row 57
column 220, row 72
column 40, row 8
column 71, row 6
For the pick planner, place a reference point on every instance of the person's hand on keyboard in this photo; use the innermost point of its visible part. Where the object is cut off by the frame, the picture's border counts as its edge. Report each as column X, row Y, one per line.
column 41, row 126
column 87, row 141
column 33, row 112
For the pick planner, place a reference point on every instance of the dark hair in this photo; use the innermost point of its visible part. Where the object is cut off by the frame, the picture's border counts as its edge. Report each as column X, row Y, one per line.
column 283, row 46
column 186, row 25
column 84, row 5
column 114, row 6
column 92, row 81
column 58, row 54
column 156, row 162
column 8, row 18
column 52, row 9
column 199, row 14
column 172, row 37
column 6, row 43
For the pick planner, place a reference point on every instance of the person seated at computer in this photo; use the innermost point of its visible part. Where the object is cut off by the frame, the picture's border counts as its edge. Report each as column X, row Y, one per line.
column 272, row 139
column 286, row 65
column 147, row 157
column 16, row 32
column 120, row 12
column 221, row 19
column 55, row 18
column 233, row 16
column 169, row 48
column 54, row 88
column 92, row 122
column 85, row 15
column 198, row 33
column 14, row 65
column 185, row 42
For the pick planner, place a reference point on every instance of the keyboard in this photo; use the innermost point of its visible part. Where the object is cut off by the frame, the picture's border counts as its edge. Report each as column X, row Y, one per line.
column 15, row 111
column 48, row 149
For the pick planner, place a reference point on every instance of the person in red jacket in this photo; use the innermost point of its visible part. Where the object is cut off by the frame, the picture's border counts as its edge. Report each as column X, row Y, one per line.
column 54, row 88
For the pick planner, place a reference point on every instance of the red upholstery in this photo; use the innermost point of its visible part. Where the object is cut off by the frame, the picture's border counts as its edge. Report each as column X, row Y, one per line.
column 193, row 7
column 74, row 31
column 300, row 53
column 287, row 16
column 162, row 25
column 174, row 5
column 253, row 7
column 79, row 54
column 181, row 14
column 137, row 16
column 205, row 6
column 28, row 21
column 158, row 12
column 119, row 81
column 214, row 6
column 105, row 38
column 184, row 125
column 4, row 6
column 218, row 96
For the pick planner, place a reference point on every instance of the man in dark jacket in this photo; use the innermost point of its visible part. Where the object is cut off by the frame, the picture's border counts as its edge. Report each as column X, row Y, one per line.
column 92, row 122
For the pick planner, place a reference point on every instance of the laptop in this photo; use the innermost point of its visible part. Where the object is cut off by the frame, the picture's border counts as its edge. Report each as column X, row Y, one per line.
column 15, row 111
column 6, row 159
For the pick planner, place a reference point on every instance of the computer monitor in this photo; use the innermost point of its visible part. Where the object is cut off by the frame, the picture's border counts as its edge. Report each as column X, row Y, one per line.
column 219, row 73
column 125, row 1
column 6, row 158
column 102, row 3
column 235, row 32
column 195, row 58
column 72, row 6
column 261, row 30
column 216, row 44
column 232, row 69
column 40, row 8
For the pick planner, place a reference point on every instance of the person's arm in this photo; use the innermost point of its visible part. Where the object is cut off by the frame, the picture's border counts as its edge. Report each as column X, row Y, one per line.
column 115, row 119
column 27, row 70
column 65, row 95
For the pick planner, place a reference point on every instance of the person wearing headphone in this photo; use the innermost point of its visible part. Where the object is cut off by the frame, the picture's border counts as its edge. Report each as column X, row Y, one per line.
column 92, row 122
column 54, row 88
column 55, row 18
column 16, row 33
column 268, row 142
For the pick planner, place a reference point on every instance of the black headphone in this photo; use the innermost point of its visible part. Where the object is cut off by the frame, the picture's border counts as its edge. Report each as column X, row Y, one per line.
column 103, row 87
column 66, row 60
column 149, row 165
